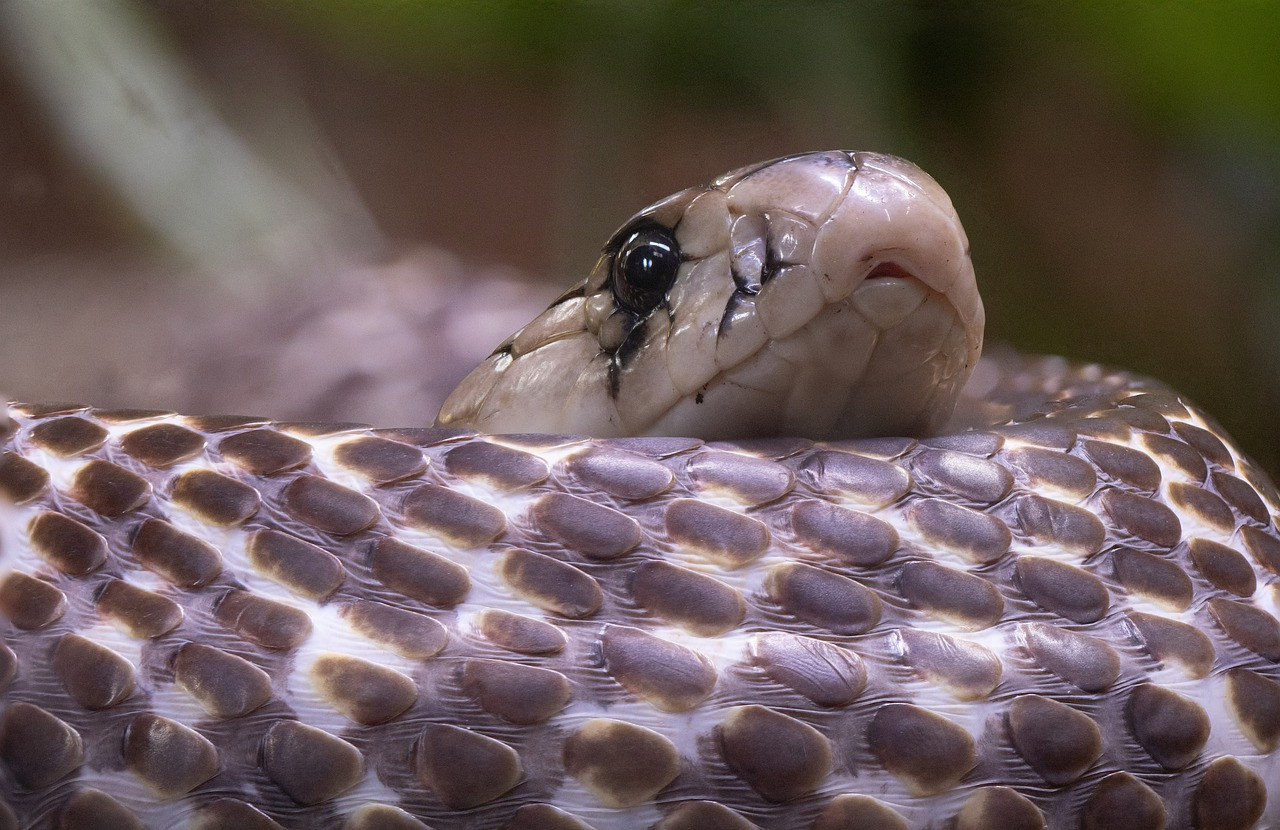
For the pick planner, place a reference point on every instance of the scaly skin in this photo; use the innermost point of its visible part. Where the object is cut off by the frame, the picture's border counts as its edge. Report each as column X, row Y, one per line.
column 1064, row 616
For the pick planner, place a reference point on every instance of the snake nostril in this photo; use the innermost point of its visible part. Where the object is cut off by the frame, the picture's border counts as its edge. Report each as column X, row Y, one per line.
column 889, row 270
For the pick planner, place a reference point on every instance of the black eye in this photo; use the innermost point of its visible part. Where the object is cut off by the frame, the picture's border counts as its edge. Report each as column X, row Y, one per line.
column 645, row 267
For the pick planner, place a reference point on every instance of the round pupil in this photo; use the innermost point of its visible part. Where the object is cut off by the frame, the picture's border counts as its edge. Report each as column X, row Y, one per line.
column 650, row 264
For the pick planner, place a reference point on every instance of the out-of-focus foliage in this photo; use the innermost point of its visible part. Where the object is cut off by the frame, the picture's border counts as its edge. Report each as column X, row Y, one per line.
column 1184, row 60
column 1212, row 64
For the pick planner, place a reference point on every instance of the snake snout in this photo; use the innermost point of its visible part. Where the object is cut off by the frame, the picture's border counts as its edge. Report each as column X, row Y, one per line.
column 852, row 309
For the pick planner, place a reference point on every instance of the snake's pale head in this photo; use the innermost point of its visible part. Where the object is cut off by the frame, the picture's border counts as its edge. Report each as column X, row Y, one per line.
column 824, row 295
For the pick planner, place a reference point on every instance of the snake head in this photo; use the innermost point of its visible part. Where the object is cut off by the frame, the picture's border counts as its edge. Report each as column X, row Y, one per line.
column 826, row 295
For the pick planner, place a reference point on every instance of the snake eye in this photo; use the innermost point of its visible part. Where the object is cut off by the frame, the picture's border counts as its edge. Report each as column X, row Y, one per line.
column 645, row 267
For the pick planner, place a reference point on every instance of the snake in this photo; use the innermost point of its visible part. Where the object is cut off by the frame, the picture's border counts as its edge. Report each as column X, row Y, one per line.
column 741, row 532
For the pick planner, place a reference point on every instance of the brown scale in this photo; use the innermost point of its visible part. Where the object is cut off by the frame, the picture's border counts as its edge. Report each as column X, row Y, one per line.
column 302, row 567
column 1230, row 796
column 824, row 599
column 462, row 519
column 871, row 481
column 1059, row 742
column 696, row 602
column 514, row 692
column 108, row 489
column 502, row 468
column 859, row 811
column 21, row 480
column 543, row 817
column 670, row 676
column 163, row 445
column 37, row 747
column 748, row 480
column 365, row 692
column 1175, row 643
column 1123, row 465
column 93, row 675
column 420, row 574
column 309, row 765
column 978, row 537
column 1153, row 577
column 30, row 603
column 723, row 536
column 522, row 634
column 329, row 507
column 1172, row 728
column 1248, row 625
column 703, row 815
column 94, row 808
column 409, row 634
column 228, row 812
column 1225, row 567
column 465, row 768
column 550, row 584
column 781, row 758
column 1054, row 524
column 972, row 479
column 592, row 530
column 1122, row 802
column 270, row 624
column 226, row 686
column 171, row 759
column 962, row 599
column 971, row 442
column 1241, row 496
column 823, row 672
column 967, row 670
column 68, row 436
column 1046, row 468
column 999, row 807
column 927, row 752
column 662, row 653
column 1084, row 661
column 1205, row 506
column 855, row 537
column 69, row 545
column 622, row 764
column 379, row 460
column 1255, row 704
column 144, row 614
column 264, row 452
column 1062, row 589
column 381, row 817
column 179, row 557
column 1143, row 518
column 623, row 475
column 214, row 498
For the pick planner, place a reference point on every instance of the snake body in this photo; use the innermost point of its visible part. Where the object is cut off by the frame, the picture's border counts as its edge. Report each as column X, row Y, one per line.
column 1059, row 612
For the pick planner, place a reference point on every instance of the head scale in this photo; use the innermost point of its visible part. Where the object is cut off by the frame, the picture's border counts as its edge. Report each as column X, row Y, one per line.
column 823, row 295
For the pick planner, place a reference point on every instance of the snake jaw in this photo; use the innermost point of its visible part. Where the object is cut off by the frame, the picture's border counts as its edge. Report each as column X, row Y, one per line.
column 824, row 294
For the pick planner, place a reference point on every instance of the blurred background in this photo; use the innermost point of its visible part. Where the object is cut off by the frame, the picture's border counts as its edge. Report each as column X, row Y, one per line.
column 332, row 209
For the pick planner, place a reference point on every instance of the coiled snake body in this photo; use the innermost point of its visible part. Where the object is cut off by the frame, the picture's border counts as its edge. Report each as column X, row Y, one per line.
column 1063, row 615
